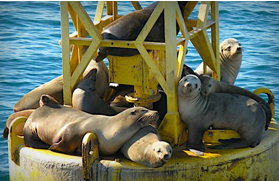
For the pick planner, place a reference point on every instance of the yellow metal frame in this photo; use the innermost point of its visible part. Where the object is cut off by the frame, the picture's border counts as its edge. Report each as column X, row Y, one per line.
column 15, row 141
column 169, row 69
column 90, row 153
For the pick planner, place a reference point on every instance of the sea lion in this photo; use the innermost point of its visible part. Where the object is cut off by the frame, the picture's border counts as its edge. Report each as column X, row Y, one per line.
column 219, row 111
column 146, row 148
column 54, row 88
column 61, row 128
column 210, row 85
column 230, row 61
column 48, row 100
column 128, row 28
column 86, row 99
column 19, row 128
column 31, row 99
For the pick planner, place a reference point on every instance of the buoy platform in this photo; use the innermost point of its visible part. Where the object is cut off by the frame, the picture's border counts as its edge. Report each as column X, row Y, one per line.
column 165, row 66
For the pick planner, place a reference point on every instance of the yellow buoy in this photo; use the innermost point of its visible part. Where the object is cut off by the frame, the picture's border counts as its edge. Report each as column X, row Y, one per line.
column 159, row 65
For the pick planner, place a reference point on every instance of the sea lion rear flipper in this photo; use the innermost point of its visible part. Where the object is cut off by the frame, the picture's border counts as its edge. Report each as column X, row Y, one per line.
column 231, row 144
column 6, row 133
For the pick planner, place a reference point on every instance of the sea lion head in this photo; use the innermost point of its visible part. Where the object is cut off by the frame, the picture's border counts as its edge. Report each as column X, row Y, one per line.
column 159, row 153
column 47, row 100
column 89, row 81
column 143, row 116
column 189, row 86
column 231, row 49
column 206, row 86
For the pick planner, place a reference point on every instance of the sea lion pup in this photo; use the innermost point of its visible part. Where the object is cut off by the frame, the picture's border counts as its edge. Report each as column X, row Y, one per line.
column 220, row 111
column 54, row 88
column 128, row 28
column 210, row 85
column 61, row 128
column 230, row 61
column 85, row 98
column 146, row 148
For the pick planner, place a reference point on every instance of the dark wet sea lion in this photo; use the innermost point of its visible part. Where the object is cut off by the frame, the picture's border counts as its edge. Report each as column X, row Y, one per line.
column 62, row 128
column 85, row 98
column 220, row 111
column 210, row 85
column 128, row 28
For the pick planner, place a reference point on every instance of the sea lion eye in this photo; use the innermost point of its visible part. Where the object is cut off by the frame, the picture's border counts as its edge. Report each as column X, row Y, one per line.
column 228, row 48
column 133, row 112
column 144, row 111
column 239, row 44
column 209, row 85
column 196, row 85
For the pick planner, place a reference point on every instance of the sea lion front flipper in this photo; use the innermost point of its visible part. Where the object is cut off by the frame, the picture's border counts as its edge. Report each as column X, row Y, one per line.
column 55, row 146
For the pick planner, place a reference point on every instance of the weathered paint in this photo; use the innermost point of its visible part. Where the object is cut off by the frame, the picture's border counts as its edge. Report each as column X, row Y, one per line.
column 259, row 163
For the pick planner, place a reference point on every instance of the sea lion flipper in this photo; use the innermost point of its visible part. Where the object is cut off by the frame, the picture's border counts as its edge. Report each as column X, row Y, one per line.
column 55, row 146
column 6, row 133
column 231, row 144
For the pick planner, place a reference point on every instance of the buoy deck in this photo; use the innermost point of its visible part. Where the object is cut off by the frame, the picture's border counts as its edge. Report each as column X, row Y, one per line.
column 259, row 163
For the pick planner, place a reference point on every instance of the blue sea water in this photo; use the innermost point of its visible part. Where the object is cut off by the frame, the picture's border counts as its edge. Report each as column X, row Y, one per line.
column 30, row 54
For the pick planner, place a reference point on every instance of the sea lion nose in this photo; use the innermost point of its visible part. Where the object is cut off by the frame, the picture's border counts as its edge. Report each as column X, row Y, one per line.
column 166, row 156
column 187, row 84
column 238, row 48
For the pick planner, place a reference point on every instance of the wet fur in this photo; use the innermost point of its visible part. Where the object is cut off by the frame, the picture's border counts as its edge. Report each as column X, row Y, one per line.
column 218, row 110
column 61, row 128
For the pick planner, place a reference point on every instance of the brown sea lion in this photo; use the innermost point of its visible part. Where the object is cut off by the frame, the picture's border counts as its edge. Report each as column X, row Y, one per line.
column 54, row 88
column 146, row 148
column 31, row 99
column 219, row 111
column 86, row 99
column 230, row 61
column 47, row 100
column 62, row 128
column 128, row 28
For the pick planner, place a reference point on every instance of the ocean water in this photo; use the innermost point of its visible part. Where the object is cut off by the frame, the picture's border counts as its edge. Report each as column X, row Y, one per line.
column 30, row 54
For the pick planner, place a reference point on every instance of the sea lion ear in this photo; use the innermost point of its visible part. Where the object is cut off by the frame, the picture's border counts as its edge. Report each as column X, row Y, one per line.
column 45, row 99
column 133, row 112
